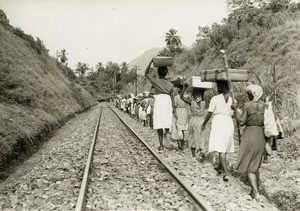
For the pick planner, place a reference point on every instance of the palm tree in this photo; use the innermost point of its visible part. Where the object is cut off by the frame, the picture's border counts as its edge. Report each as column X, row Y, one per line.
column 172, row 39
column 99, row 68
column 63, row 56
column 112, row 69
column 124, row 67
column 81, row 69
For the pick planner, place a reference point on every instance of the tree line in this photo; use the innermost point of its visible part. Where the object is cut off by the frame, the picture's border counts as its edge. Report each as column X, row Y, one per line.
column 241, row 33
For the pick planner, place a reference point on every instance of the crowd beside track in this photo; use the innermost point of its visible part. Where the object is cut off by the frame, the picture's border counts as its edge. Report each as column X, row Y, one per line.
column 183, row 116
column 140, row 107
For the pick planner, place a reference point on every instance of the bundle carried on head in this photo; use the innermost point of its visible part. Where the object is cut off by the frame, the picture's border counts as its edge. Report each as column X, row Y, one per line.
column 220, row 74
column 198, row 83
column 162, row 61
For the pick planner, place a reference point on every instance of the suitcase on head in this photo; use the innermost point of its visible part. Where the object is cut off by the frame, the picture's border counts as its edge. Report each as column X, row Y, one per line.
column 162, row 61
column 198, row 83
column 220, row 74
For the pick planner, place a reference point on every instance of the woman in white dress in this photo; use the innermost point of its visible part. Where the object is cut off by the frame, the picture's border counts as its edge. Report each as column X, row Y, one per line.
column 163, row 104
column 222, row 128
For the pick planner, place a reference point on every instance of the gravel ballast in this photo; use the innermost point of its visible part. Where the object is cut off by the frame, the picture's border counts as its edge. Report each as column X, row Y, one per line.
column 51, row 178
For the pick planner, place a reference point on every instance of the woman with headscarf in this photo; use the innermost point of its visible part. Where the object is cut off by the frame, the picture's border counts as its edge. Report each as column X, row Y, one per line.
column 163, row 104
column 222, row 128
column 253, row 139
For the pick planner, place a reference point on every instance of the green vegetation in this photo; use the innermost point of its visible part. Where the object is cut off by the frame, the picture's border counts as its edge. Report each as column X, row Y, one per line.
column 37, row 93
column 105, row 81
column 63, row 57
column 264, row 38
column 258, row 36
column 173, row 44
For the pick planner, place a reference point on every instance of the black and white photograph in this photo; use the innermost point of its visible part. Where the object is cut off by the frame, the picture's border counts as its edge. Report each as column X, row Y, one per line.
column 137, row 105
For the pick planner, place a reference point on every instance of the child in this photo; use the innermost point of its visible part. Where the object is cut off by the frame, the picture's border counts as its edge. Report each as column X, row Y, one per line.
column 196, row 119
column 271, row 129
column 181, row 122
column 150, row 107
column 143, row 113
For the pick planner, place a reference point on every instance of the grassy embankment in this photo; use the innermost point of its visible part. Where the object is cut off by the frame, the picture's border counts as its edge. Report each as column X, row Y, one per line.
column 274, row 56
column 35, row 95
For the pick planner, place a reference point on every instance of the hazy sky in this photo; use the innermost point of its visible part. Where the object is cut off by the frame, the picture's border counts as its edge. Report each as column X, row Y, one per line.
column 95, row 31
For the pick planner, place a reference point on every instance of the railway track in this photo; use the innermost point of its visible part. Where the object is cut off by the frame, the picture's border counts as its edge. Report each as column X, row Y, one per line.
column 123, row 172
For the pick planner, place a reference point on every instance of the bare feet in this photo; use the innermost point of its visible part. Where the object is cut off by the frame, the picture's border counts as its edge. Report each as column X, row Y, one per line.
column 255, row 196
column 160, row 148
column 218, row 169
column 251, row 193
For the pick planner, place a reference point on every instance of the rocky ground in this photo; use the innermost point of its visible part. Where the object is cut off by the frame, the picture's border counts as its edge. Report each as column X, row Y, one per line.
column 232, row 195
column 280, row 176
column 125, row 175
column 50, row 179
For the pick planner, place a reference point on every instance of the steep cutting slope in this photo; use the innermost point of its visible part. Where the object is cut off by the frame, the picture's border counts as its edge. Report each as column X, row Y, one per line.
column 35, row 95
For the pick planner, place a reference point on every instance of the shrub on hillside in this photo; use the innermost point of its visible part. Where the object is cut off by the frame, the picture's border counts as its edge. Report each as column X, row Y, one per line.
column 4, row 21
column 12, row 88
column 40, row 46
column 37, row 44
column 254, row 38
column 68, row 72
column 184, row 63
column 200, row 48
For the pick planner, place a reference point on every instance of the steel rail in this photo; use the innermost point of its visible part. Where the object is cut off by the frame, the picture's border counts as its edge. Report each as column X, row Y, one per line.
column 198, row 199
column 81, row 197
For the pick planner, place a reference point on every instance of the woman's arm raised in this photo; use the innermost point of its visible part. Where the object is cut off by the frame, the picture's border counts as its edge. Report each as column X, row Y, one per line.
column 186, row 100
column 148, row 70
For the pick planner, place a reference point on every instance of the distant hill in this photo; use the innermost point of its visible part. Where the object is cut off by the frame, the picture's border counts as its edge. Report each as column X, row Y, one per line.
column 143, row 60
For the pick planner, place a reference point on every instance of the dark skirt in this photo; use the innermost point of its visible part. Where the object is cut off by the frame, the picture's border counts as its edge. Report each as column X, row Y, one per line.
column 251, row 149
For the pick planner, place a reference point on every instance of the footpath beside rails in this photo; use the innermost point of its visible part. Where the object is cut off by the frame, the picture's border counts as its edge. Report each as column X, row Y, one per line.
column 50, row 175
column 232, row 195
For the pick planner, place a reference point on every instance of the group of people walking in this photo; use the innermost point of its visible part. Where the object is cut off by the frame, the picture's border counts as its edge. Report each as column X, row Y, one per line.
column 139, row 107
column 222, row 109
column 184, row 116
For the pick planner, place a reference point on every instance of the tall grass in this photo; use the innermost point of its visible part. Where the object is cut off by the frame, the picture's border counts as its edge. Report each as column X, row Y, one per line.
column 271, row 49
column 35, row 94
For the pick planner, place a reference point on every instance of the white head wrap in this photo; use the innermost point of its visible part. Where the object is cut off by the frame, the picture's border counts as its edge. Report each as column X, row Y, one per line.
column 256, row 91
